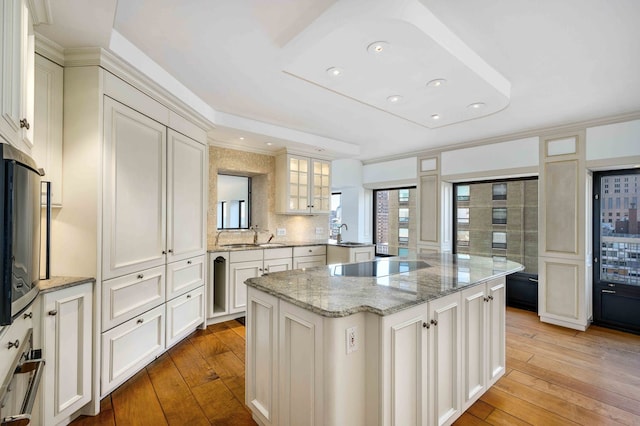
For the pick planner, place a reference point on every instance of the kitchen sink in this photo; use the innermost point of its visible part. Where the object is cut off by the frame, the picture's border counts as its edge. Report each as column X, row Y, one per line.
column 239, row 245
column 352, row 244
column 271, row 245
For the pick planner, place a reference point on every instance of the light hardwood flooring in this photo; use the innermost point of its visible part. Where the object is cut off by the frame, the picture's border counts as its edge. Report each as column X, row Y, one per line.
column 555, row 376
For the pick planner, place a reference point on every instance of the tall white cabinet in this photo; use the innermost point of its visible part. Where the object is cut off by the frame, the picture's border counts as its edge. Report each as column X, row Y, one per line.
column 135, row 177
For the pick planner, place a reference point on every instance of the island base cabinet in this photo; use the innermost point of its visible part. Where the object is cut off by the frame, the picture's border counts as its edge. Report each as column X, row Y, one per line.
column 184, row 314
column 66, row 333
column 130, row 346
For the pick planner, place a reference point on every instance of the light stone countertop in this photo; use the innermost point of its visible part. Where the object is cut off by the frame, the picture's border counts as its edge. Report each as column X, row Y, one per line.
column 58, row 283
column 319, row 291
column 261, row 246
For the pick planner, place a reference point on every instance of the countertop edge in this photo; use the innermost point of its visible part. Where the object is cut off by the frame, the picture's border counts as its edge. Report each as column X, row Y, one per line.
column 59, row 283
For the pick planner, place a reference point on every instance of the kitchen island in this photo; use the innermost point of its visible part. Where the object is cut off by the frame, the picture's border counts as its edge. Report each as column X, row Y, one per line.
column 393, row 341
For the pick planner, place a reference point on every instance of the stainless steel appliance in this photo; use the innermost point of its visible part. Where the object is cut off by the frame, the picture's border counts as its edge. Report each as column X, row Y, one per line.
column 20, row 215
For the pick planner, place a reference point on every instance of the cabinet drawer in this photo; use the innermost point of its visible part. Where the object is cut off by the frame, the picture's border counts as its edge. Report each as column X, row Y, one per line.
column 184, row 275
column 130, row 346
column 184, row 314
column 16, row 332
column 309, row 261
column 245, row 255
column 125, row 297
column 310, row 251
column 278, row 253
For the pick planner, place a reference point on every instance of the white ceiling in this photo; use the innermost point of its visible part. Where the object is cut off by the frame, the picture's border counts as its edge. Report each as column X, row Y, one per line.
column 566, row 61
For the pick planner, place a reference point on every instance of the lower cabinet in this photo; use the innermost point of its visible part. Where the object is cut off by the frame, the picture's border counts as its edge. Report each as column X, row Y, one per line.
column 309, row 256
column 67, row 328
column 341, row 254
column 239, row 272
column 184, row 314
column 130, row 346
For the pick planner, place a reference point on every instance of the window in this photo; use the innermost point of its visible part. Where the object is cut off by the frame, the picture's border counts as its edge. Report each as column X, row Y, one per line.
column 335, row 216
column 463, row 238
column 394, row 220
column 499, row 240
column 462, row 192
column 234, row 197
column 499, row 216
column 463, row 215
column 499, row 191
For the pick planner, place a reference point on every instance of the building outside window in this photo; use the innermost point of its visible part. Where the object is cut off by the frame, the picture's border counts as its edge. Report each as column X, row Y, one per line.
column 335, row 216
column 499, row 216
column 499, row 191
column 499, row 240
column 395, row 221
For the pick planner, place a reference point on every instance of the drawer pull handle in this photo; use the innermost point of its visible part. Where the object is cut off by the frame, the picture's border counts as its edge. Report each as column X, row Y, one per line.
column 53, row 312
column 140, row 321
column 28, row 315
column 13, row 344
column 434, row 322
column 188, row 262
column 188, row 296
column 24, row 123
column 490, row 297
column 170, row 250
column 486, row 299
column 609, row 291
column 425, row 325
column 140, row 276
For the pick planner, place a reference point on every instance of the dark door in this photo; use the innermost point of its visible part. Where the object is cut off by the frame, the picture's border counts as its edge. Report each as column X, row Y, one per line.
column 616, row 248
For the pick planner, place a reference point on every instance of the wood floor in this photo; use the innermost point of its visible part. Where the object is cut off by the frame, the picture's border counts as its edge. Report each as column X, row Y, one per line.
column 555, row 376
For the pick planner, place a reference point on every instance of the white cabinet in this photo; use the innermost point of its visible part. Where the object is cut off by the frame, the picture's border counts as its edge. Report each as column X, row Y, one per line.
column 277, row 260
column 309, row 256
column 134, row 201
column 154, row 198
column 185, row 275
column 130, row 346
column 184, row 314
column 483, row 359
column 47, row 147
column 303, row 185
column 17, row 47
column 421, row 371
column 239, row 272
column 218, row 284
column 341, row 254
column 67, row 348
column 186, row 197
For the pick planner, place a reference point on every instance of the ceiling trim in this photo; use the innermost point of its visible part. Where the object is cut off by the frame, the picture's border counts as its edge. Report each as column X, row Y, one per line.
column 40, row 12
column 49, row 49
column 540, row 132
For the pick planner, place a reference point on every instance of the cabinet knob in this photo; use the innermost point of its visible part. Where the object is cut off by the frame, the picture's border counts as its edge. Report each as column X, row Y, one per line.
column 28, row 315
column 53, row 312
column 170, row 250
column 310, row 251
column 425, row 325
column 164, row 252
column 140, row 276
column 24, row 123
column 140, row 321
column 13, row 344
column 188, row 296
column 434, row 322
column 490, row 297
column 188, row 262
column 486, row 299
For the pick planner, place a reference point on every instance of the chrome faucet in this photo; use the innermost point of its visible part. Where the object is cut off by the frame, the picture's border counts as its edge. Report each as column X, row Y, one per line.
column 218, row 236
column 340, row 232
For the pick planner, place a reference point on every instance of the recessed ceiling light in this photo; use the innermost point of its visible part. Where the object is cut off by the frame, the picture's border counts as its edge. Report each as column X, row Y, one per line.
column 435, row 116
column 241, row 138
column 268, row 143
column 319, row 149
column 378, row 47
column 438, row 82
column 477, row 105
column 334, row 72
column 394, row 99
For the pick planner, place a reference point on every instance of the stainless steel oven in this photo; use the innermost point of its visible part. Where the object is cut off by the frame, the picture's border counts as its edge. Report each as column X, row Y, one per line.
column 20, row 386
column 20, row 213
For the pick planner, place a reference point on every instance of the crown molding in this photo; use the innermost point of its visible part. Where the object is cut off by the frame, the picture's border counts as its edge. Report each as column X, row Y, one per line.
column 49, row 49
column 40, row 12
column 96, row 56
column 540, row 132
column 252, row 149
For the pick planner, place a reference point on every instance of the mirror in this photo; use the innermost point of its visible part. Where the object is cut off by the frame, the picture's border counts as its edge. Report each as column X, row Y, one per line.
column 234, row 199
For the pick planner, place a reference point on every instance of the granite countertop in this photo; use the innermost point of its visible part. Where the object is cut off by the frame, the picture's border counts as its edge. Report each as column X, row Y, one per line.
column 319, row 291
column 262, row 246
column 58, row 283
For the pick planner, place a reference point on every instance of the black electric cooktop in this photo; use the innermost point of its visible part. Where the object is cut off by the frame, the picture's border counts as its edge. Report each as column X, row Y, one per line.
column 378, row 268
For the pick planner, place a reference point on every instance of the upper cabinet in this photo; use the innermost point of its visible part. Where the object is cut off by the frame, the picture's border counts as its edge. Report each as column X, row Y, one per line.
column 303, row 185
column 17, row 47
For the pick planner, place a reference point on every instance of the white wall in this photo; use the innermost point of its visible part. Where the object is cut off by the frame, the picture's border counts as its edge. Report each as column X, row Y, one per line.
column 613, row 140
column 346, row 178
column 390, row 173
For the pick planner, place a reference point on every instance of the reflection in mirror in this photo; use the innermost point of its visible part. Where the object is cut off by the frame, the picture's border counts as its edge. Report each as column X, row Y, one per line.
column 234, row 198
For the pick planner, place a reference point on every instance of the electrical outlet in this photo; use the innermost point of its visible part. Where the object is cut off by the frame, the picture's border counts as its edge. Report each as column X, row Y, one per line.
column 319, row 231
column 281, row 232
column 352, row 339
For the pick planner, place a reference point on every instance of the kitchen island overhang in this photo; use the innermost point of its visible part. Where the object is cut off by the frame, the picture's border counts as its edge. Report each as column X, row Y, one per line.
column 404, row 341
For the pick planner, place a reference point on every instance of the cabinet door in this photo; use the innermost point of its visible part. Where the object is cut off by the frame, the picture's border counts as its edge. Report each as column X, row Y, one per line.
column 67, row 331
column 405, row 343
column 239, row 273
column 445, row 365
column 134, row 201
column 130, row 346
column 47, row 148
column 185, row 275
column 361, row 254
column 320, row 186
column 278, row 265
column 496, row 293
column 309, row 261
column 184, row 314
column 186, row 210
column 262, row 353
column 17, row 45
column 298, row 200
column 474, row 343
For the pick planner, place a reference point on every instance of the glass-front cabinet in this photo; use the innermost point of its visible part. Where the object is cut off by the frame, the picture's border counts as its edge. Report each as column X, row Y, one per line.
column 303, row 185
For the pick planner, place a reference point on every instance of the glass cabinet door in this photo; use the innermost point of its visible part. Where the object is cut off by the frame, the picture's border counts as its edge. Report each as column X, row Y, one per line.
column 321, row 198
column 298, row 183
